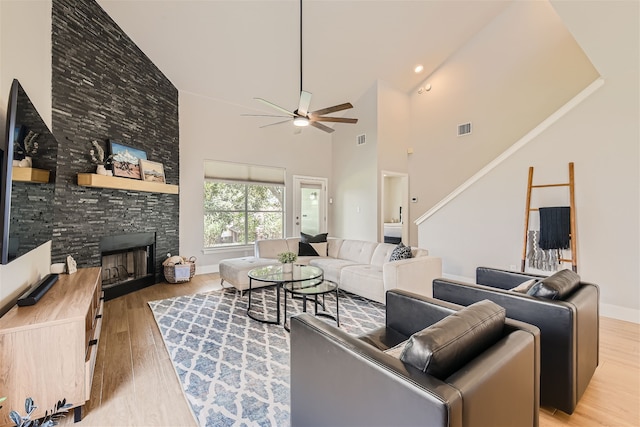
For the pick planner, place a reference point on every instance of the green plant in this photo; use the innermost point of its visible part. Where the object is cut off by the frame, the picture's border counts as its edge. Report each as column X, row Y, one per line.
column 49, row 419
column 287, row 257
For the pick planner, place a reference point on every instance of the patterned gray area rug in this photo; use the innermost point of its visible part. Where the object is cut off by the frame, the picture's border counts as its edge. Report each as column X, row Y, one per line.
column 234, row 371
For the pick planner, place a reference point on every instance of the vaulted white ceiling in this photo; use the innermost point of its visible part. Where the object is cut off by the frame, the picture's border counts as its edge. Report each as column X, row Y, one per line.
column 235, row 50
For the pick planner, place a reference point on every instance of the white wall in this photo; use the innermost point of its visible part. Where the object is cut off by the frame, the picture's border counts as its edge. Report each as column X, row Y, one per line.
column 22, row 273
column 354, row 212
column 25, row 54
column 383, row 116
column 393, row 143
column 484, row 225
column 393, row 128
column 214, row 130
column 393, row 192
column 512, row 75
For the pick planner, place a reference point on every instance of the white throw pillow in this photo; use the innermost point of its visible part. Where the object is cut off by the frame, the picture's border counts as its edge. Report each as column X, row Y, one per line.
column 397, row 350
column 321, row 248
column 524, row 286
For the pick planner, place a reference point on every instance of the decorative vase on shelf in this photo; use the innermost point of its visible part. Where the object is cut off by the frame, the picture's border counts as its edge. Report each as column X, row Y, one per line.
column 100, row 170
column 25, row 163
column 287, row 267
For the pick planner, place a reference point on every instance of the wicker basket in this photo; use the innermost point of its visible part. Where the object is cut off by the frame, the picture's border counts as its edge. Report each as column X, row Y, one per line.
column 170, row 271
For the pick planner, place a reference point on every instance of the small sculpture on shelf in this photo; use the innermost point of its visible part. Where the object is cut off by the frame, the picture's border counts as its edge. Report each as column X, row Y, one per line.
column 98, row 157
column 31, row 143
column 26, row 150
column 71, row 265
column 27, row 162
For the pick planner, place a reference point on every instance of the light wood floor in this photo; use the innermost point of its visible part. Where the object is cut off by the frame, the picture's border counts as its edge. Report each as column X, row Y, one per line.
column 135, row 384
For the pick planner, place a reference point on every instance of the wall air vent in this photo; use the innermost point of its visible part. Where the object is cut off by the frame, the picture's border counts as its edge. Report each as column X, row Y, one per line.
column 464, row 129
column 361, row 139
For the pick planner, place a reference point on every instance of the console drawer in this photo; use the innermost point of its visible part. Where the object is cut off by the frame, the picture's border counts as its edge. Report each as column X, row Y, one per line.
column 92, row 351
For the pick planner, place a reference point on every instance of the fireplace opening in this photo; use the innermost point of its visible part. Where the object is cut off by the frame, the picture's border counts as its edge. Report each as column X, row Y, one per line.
column 128, row 263
column 123, row 266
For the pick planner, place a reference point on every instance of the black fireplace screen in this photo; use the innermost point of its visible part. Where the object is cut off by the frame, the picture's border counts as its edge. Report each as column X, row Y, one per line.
column 123, row 266
column 127, row 262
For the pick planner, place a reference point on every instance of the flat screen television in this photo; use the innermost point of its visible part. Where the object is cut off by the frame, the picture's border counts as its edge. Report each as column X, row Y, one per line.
column 26, row 207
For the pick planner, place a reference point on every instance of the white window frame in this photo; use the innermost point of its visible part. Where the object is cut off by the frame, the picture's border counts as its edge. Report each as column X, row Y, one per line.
column 237, row 173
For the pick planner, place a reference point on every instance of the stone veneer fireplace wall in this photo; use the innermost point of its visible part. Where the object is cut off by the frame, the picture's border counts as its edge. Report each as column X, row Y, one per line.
column 105, row 88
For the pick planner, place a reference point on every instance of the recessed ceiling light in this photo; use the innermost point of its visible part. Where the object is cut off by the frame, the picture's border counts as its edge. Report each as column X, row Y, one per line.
column 418, row 68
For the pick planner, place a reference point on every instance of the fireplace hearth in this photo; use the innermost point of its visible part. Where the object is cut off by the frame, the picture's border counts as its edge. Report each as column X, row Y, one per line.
column 127, row 263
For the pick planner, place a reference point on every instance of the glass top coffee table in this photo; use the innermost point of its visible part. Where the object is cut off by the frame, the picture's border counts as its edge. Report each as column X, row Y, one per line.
column 312, row 289
column 277, row 275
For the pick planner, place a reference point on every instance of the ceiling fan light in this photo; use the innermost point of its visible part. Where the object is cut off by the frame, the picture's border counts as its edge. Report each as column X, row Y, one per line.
column 301, row 121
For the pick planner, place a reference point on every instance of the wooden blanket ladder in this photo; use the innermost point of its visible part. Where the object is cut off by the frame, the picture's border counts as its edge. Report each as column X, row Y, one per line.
column 572, row 205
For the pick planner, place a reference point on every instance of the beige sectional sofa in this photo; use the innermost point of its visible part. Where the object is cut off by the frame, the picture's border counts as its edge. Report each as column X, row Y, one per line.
column 362, row 267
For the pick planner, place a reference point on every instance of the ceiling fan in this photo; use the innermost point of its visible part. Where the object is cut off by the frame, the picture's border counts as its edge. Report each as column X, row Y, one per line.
column 302, row 116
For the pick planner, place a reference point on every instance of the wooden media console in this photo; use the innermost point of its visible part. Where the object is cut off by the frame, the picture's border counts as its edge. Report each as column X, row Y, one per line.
column 48, row 350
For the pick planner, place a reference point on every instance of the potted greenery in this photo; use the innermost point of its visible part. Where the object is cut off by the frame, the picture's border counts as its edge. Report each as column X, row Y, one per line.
column 50, row 417
column 287, row 259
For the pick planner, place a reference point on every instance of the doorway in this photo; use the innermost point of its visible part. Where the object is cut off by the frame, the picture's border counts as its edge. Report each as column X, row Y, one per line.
column 394, row 208
column 309, row 205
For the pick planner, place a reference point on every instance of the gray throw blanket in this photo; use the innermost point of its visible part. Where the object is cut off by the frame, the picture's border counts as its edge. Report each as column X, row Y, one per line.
column 540, row 259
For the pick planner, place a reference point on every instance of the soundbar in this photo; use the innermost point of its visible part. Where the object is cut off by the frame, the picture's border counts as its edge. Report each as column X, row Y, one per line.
column 34, row 294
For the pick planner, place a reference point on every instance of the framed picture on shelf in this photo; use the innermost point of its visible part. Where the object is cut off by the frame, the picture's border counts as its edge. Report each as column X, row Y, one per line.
column 126, row 160
column 152, row 171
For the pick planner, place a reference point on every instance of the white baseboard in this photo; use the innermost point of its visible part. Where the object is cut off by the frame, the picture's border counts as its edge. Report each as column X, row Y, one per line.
column 620, row 313
column 207, row 269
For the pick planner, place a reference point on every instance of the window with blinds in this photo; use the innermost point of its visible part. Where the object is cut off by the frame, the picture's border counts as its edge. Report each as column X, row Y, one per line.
column 242, row 203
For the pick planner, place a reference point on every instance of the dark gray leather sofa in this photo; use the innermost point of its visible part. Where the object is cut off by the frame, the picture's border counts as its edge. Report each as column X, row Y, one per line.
column 569, row 328
column 341, row 380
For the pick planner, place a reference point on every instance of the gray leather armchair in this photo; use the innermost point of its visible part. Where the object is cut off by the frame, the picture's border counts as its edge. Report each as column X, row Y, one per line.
column 569, row 328
column 341, row 380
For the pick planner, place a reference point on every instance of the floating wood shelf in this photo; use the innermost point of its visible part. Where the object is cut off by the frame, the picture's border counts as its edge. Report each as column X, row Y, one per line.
column 30, row 175
column 103, row 181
